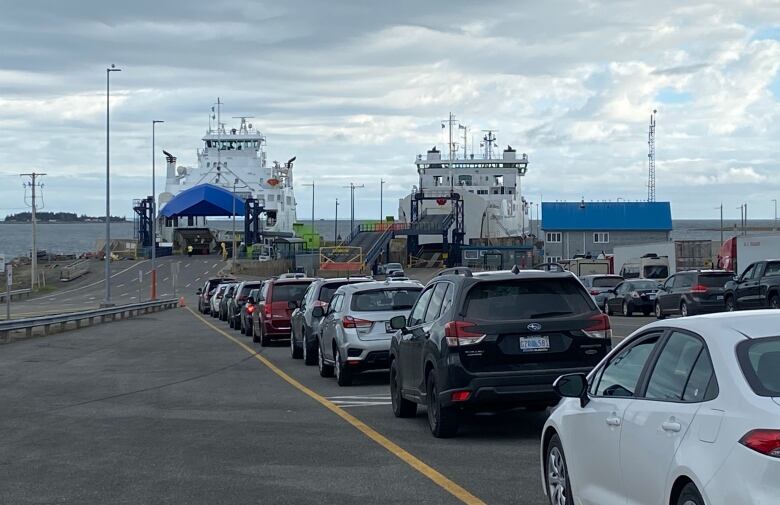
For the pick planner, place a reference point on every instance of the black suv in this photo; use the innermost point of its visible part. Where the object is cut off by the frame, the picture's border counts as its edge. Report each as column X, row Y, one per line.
column 694, row 292
column 492, row 340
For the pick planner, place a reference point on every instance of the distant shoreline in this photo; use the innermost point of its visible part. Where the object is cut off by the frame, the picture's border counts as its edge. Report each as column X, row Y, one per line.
column 63, row 222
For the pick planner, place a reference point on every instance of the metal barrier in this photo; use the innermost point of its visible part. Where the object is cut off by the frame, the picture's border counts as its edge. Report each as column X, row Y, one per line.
column 74, row 270
column 108, row 313
column 19, row 293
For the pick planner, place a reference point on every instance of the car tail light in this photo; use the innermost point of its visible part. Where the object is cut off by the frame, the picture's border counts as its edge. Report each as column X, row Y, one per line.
column 699, row 289
column 250, row 308
column 460, row 396
column 764, row 441
column 600, row 327
column 268, row 310
column 457, row 334
column 594, row 292
column 353, row 322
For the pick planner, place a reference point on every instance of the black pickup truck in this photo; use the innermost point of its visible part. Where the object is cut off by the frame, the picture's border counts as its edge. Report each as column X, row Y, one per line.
column 757, row 288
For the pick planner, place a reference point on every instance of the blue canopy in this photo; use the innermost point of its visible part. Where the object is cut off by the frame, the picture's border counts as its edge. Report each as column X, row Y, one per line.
column 607, row 216
column 203, row 200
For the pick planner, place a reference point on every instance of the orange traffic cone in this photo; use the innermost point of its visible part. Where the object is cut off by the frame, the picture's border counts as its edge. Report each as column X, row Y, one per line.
column 181, row 302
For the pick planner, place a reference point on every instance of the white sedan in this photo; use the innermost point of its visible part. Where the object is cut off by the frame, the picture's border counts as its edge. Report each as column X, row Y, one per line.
column 682, row 412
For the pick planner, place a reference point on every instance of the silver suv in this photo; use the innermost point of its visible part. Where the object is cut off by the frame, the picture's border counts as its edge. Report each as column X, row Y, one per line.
column 355, row 333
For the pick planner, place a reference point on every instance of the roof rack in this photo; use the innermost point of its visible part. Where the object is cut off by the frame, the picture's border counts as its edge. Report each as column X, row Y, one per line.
column 549, row 267
column 464, row 271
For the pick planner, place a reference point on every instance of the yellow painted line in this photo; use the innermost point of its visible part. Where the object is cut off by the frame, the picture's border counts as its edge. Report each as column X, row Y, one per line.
column 448, row 485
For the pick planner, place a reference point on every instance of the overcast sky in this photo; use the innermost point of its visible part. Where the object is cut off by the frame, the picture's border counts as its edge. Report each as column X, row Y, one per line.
column 356, row 89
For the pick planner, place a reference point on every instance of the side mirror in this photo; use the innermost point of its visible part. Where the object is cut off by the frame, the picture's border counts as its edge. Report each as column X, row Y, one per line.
column 574, row 385
column 317, row 311
column 250, row 300
column 292, row 305
column 199, row 292
column 398, row 322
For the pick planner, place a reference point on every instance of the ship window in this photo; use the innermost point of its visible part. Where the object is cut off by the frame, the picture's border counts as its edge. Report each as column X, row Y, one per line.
column 438, row 180
column 464, row 180
column 482, row 192
column 499, row 180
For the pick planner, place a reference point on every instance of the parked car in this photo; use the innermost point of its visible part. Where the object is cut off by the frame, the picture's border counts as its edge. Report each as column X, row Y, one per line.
column 758, row 287
column 216, row 298
column 690, row 293
column 207, row 291
column 389, row 268
column 684, row 412
column 235, row 304
column 304, row 326
column 223, row 302
column 355, row 332
column 636, row 295
column 599, row 287
column 279, row 297
column 492, row 340
column 245, row 316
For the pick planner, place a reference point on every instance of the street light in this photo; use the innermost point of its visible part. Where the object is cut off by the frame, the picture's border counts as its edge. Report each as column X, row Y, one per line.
column 336, row 225
column 312, row 211
column 233, row 263
column 381, row 200
column 107, row 259
column 352, row 186
column 154, row 218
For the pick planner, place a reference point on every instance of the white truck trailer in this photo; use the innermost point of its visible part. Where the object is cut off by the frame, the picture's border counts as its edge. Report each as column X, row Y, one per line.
column 682, row 254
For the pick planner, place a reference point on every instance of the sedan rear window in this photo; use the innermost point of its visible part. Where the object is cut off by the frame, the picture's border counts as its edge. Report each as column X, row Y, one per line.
column 527, row 299
column 760, row 362
column 385, row 299
column 289, row 292
column 606, row 282
column 326, row 292
column 715, row 280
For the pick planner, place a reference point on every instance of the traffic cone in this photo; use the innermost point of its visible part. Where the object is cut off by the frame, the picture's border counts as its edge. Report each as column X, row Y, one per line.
column 181, row 302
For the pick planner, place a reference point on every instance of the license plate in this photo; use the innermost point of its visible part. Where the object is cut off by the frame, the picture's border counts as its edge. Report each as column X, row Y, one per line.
column 720, row 297
column 651, row 296
column 534, row 344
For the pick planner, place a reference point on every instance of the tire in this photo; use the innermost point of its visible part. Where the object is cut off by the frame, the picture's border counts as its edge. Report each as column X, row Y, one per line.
column 295, row 352
column 627, row 312
column 731, row 304
column 343, row 374
column 325, row 369
column 401, row 406
column 690, row 496
column 309, row 351
column 557, row 474
column 659, row 312
column 684, row 310
column 608, row 309
column 231, row 323
column 264, row 340
column 774, row 302
column 443, row 421
column 255, row 338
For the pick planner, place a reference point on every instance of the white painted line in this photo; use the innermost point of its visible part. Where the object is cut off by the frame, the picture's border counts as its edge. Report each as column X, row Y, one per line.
column 197, row 279
column 165, row 279
column 187, row 265
column 120, row 285
column 60, row 293
column 123, row 294
column 188, row 285
column 214, row 265
column 92, row 297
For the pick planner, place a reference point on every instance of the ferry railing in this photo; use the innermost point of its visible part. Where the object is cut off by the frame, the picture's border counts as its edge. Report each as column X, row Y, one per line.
column 47, row 322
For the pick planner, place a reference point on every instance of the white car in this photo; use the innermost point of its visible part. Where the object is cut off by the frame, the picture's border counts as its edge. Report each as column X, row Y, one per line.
column 682, row 412
column 217, row 297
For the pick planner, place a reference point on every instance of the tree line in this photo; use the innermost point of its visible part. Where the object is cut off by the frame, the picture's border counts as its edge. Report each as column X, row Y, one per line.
column 62, row 217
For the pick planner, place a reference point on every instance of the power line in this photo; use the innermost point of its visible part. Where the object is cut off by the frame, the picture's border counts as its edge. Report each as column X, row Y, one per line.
column 33, row 185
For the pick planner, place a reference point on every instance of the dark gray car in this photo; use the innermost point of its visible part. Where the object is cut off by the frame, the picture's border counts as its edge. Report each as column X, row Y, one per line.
column 599, row 287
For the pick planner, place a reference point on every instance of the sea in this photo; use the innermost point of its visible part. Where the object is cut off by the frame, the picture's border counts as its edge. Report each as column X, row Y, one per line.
column 77, row 238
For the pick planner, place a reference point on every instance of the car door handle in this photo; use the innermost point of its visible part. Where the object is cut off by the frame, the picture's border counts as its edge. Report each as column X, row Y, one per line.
column 671, row 426
column 613, row 421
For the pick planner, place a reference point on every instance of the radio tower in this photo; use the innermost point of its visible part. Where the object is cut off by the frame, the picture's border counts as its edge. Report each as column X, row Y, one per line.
column 651, row 159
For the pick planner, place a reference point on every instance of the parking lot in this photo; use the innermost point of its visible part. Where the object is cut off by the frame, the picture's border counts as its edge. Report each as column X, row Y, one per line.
column 175, row 407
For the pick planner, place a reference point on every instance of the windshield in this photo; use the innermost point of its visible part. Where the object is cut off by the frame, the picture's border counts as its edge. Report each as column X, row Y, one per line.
column 606, row 282
column 715, row 280
column 527, row 299
column 656, row 272
column 630, row 272
column 644, row 285
column 289, row 292
column 385, row 299
column 760, row 362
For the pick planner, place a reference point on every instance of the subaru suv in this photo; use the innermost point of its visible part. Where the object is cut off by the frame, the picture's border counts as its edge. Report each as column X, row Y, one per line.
column 278, row 299
column 303, row 335
column 490, row 341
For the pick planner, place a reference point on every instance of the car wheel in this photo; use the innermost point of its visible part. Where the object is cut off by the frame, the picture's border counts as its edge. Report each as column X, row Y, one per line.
column 443, row 421
column 325, row 369
column 684, row 309
column 231, row 323
column 627, row 312
column 309, row 351
column 607, row 309
column 731, row 305
column 690, row 496
column 401, row 406
column 557, row 474
column 254, row 336
column 659, row 313
column 343, row 375
column 264, row 340
column 774, row 302
column 295, row 351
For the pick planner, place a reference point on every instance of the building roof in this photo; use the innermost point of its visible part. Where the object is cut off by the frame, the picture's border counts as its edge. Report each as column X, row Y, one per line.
column 204, row 200
column 606, row 216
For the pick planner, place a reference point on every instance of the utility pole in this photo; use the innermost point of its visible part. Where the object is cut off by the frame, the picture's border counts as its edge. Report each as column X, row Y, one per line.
column 352, row 187
column 154, row 218
column 33, row 185
column 233, row 263
column 312, row 210
column 721, row 224
column 651, row 159
column 381, row 200
column 107, row 252
column 774, row 225
column 336, row 225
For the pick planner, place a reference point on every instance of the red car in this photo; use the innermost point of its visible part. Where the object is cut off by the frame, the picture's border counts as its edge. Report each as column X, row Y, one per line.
column 271, row 317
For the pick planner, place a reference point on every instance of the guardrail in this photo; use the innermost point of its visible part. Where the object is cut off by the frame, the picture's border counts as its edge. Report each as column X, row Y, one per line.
column 78, row 318
column 19, row 293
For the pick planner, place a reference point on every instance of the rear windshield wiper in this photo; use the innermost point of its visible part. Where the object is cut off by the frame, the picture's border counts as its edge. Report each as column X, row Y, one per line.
column 549, row 314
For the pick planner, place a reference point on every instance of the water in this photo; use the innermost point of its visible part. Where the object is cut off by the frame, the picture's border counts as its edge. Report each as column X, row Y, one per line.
column 63, row 238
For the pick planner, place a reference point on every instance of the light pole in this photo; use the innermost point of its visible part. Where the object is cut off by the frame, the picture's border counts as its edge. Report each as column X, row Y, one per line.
column 312, row 211
column 154, row 218
column 352, row 186
column 233, row 264
column 774, row 226
column 381, row 200
column 336, row 225
column 107, row 259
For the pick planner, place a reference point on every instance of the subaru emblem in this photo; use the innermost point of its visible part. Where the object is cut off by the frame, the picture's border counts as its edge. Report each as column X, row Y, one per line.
column 534, row 326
